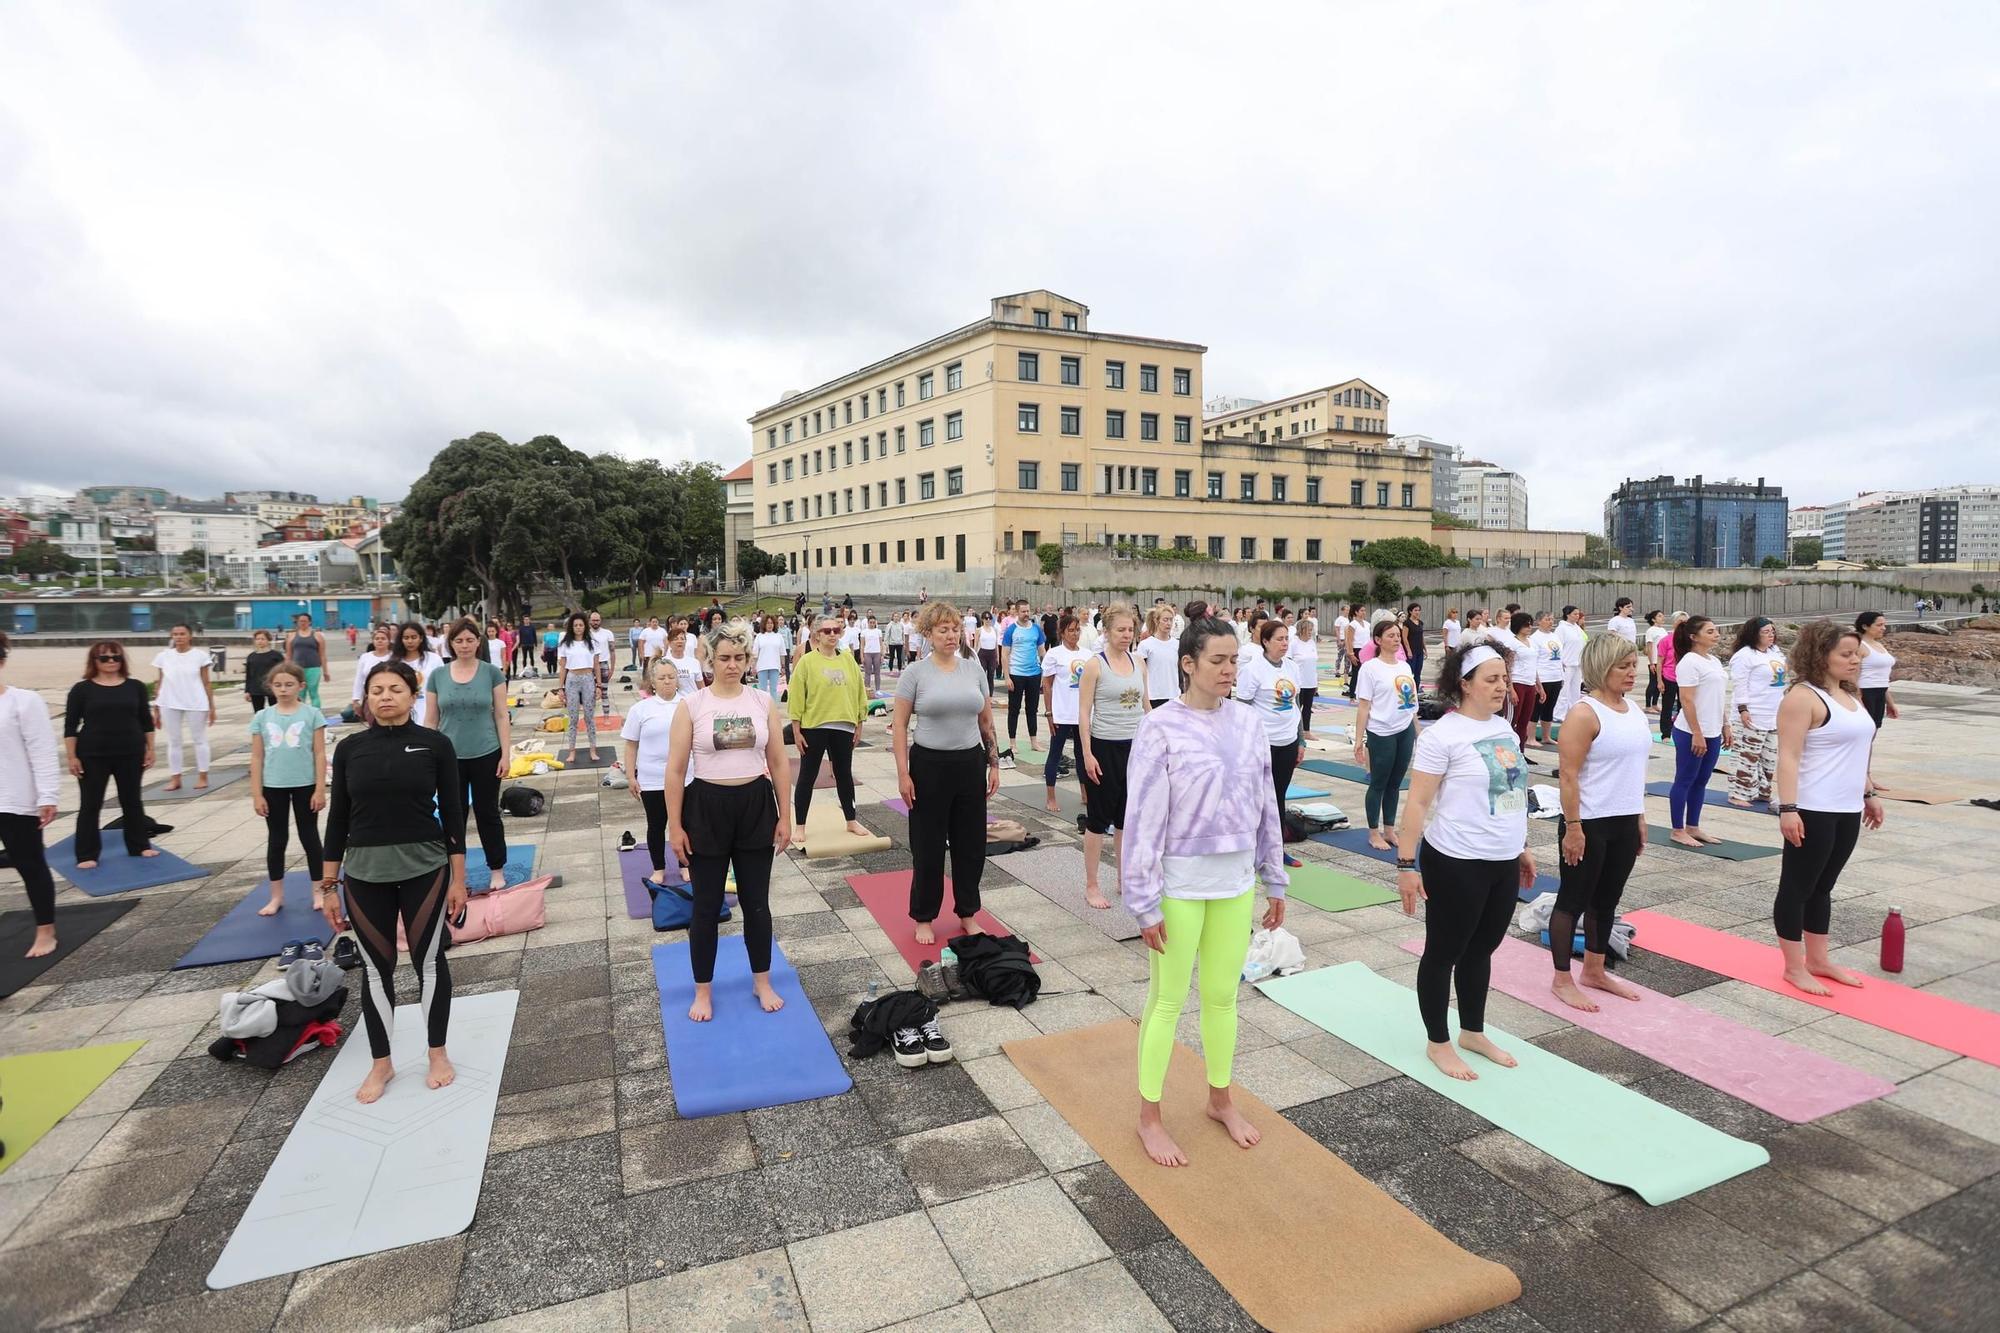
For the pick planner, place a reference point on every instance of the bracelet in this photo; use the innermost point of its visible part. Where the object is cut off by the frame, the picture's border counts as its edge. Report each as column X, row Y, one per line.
column 1788, row 809
column 1405, row 865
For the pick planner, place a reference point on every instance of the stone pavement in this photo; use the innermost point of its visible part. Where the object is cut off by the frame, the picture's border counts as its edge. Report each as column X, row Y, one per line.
column 954, row 1197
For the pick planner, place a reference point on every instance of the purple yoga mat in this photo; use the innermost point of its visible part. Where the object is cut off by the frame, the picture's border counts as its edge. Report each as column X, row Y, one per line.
column 1787, row 1080
column 902, row 807
column 633, row 867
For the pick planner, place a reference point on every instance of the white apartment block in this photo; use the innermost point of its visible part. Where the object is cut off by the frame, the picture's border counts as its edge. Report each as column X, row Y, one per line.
column 217, row 529
column 1490, row 496
column 1940, row 525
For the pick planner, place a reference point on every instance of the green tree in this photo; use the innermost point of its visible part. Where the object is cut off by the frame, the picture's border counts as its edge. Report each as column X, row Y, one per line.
column 1597, row 553
column 753, row 562
column 1808, row 551
column 1441, row 519
column 1051, row 556
column 1771, row 562
column 465, row 533
column 702, row 508
column 42, row 557
column 1405, row 553
column 1385, row 590
column 191, row 560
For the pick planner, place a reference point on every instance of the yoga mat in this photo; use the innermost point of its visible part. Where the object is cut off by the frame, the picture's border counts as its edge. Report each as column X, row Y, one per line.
column 1297, row 793
column 1057, row 874
column 520, row 866
column 1331, row 891
column 1658, row 836
column 633, row 868
column 1035, row 798
column 1586, row 1121
column 899, row 805
column 1356, row 840
column 1710, row 796
column 1884, row 1004
column 354, row 1179
column 605, row 756
column 1926, row 795
column 243, row 935
column 743, row 1058
column 116, row 872
column 825, row 835
column 218, row 778
column 75, row 927
column 886, row 895
column 1789, row 1081
column 1350, row 772
column 41, row 1089
column 1275, row 1225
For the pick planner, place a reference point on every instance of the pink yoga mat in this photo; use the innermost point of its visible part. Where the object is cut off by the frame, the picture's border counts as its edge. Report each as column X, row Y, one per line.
column 633, row 867
column 1765, row 1071
column 1914, row 1013
column 887, row 897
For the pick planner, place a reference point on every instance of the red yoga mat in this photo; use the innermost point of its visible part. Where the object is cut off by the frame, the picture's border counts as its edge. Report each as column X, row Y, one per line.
column 887, row 898
column 1913, row 1013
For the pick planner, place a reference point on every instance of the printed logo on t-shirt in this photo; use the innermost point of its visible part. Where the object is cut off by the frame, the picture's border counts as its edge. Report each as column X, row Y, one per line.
column 835, row 676
column 1284, row 695
column 1128, row 698
column 278, row 734
column 735, row 733
column 1076, row 674
column 1506, row 775
column 1777, row 675
column 1406, row 694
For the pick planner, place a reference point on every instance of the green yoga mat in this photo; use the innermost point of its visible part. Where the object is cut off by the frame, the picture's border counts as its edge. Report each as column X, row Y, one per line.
column 1725, row 850
column 1351, row 772
column 38, row 1090
column 1601, row 1128
column 1331, row 891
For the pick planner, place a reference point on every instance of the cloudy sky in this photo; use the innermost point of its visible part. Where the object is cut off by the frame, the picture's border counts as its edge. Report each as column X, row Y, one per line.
column 305, row 245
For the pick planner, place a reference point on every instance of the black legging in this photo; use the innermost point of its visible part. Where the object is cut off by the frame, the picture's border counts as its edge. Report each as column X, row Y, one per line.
column 21, row 835
column 1670, row 702
column 98, row 769
column 1307, row 693
column 1653, row 683
column 1023, row 691
column 1592, row 887
column 656, row 827
column 1284, row 761
column 482, row 774
column 374, row 909
column 1467, row 907
column 836, row 745
column 989, row 662
column 1807, row 873
column 295, row 803
column 895, row 657
column 730, row 828
column 259, row 702
column 949, row 812
column 1876, row 700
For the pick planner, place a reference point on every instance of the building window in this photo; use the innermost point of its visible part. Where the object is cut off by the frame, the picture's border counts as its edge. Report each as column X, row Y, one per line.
column 1149, row 425
column 773, row 520
column 881, row 400
column 1382, row 494
column 847, row 413
column 864, row 548
column 1007, row 540
column 1312, row 490
column 1183, row 381
column 899, row 393
column 1028, row 367
column 817, row 467
column 1106, row 487
column 816, row 425
column 864, row 443
column 926, row 434
column 924, row 386
column 954, row 482
column 864, row 407
column 788, row 432
column 1072, row 421
column 771, row 477
column 771, row 438
column 1183, row 484
column 1149, row 481
column 1029, row 476
column 1149, row 379
column 920, row 550
column 788, row 511
column 1247, row 486
column 1183, row 430
column 940, row 548
column 954, row 376
column 954, row 425
column 1028, row 418
column 788, row 469
column 847, row 454
column 1183, row 543
column 849, row 494
column 850, row 554
column 1247, row 547
column 864, row 506
column 1114, row 425
column 1280, row 548
column 1215, row 485
column 900, row 557
column 882, row 498
column 1354, row 492
column 1072, row 370
column 1215, row 548
column 1409, row 495
column 1072, row 476
column 1312, row 548
column 1278, row 484
column 902, row 494
column 1041, row 319
column 1114, row 374
column 927, row 485
column 1069, row 320
column 819, row 506
column 1354, row 547
column 1030, row 539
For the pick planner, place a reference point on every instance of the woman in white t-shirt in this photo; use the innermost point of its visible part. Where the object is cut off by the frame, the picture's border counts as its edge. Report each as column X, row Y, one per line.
column 1878, row 665
column 381, row 648
column 1451, row 627
column 1265, row 683
column 652, row 644
column 649, row 726
column 682, row 652
column 1701, row 728
column 576, row 659
column 1303, row 654
column 1551, row 666
column 1062, row 694
column 182, row 700
column 1475, row 858
column 1571, row 632
column 1160, row 653
column 1757, row 679
column 413, row 648
column 989, row 650
column 769, row 650
column 1385, row 728
column 1649, row 644
column 1523, row 675
column 871, row 656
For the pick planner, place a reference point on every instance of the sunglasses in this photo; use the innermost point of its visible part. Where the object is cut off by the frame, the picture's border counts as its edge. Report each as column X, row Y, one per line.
column 110, row 657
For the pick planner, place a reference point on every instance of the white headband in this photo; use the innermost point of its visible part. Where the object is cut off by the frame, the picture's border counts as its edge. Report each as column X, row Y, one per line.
column 1475, row 659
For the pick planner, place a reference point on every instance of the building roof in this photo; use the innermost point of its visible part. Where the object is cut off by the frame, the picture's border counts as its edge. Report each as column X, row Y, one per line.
column 1290, row 398
column 741, row 472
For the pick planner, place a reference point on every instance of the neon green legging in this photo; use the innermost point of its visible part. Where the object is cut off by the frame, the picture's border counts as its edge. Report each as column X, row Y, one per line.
column 1216, row 930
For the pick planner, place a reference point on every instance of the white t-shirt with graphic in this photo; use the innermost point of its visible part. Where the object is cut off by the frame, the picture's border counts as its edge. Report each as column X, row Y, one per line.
column 1065, row 667
column 1481, row 812
column 1391, row 692
column 1268, row 687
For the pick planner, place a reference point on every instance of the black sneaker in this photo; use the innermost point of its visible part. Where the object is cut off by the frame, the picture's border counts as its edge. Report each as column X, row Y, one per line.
column 910, row 1051
column 291, row 953
column 935, row 1045
column 346, row 953
column 1007, row 757
column 626, row 842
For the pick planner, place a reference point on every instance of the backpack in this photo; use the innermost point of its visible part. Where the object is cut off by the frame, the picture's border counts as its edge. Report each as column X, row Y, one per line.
column 1431, row 707
column 673, row 906
column 523, row 800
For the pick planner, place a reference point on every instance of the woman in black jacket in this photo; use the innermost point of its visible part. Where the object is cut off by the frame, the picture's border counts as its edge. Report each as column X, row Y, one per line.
column 108, row 732
column 404, row 859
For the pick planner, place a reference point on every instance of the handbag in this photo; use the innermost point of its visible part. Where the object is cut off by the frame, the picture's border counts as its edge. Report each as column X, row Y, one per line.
column 673, row 905
column 514, row 910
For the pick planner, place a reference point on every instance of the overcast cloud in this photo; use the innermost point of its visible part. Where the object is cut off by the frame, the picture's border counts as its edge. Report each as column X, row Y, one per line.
column 306, row 245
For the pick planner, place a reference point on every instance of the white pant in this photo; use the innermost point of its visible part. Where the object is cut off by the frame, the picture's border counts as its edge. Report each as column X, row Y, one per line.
column 171, row 722
column 1572, row 691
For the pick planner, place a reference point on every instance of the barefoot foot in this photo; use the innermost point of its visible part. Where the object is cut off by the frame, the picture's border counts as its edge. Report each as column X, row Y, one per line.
column 441, row 1073
column 768, row 999
column 44, row 943
column 702, row 1009
column 91, row 865
column 1160, row 1145
column 173, row 784
column 1566, row 991
column 855, row 827
column 1707, row 839
column 1242, row 1131
column 1095, row 897
column 276, row 905
column 496, row 879
column 1051, row 805
column 1598, row 979
column 969, row 926
column 1803, row 979
column 1478, row 1044
column 150, row 851
column 1684, row 838
column 1377, row 841
column 1832, row 973
column 1448, row 1061
column 924, row 934
column 378, row 1078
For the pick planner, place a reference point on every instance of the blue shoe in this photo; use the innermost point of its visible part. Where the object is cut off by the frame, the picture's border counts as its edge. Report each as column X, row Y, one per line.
column 291, row 953
column 1292, row 862
column 313, row 951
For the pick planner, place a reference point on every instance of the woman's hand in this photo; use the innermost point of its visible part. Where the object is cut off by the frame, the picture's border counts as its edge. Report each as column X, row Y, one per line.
column 147, row 762
column 75, row 766
column 1572, row 844
column 1697, row 743
column 1890, row 705
column 907, row 789
column 1274, row 913
column 1091, row 768
column 992, row 780
column 1528, row 870
column 1793, row 829
column 326, row 896
column 260, row 805
column 1155, row 937
column 1361, row 754
column 1410, row 887
column 504, row 766
column 1872, row 812
column 634, row 789
column 677, row 838
column 783, row 837
column 211, row 715
column 1728, row 737
column 455, row 897
column 318, row 802
column 48, row 815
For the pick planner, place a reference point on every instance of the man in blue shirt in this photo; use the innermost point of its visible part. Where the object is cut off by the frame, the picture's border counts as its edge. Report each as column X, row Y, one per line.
column 1021, row 644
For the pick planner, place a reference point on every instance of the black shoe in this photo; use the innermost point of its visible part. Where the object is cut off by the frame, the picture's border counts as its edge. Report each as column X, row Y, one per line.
column 935, row 1045
column 909, row 1047
column 291, row 953
column 312, row 951
column 626, row 842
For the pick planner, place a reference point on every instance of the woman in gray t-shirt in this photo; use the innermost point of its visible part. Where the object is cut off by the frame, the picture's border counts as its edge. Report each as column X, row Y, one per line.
column 947, row 767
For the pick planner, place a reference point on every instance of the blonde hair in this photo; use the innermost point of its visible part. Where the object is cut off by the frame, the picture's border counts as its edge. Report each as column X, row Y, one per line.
column 1158, row 616
column 736, row 633
column 1601, row 656
column 935, row 614
column 1115, row 610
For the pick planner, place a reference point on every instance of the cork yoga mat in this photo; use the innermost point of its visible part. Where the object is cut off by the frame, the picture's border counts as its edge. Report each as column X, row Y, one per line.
column 1276, row 1224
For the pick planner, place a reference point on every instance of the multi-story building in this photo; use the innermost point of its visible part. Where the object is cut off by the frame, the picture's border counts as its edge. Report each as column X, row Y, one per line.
column 1490, row 496
column 1351, row 412
column 219, row 529
column 127, row 497
column 1027, row 427
column 310, row 564
column 1833, row 522
column 1444, row 459
column 1226, row 404
column 738, row 516
column 1706, row 525
column 1940, row 525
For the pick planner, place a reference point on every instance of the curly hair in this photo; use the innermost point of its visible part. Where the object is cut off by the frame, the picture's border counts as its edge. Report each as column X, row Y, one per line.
column 1451, row 678
column 1806, row 663
column 937, row 613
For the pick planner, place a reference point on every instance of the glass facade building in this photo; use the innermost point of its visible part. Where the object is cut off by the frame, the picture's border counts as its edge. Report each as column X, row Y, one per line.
column 1704, row 525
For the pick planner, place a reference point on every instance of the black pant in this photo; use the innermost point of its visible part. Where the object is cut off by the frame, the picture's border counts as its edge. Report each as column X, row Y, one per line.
column 1876, row 700
column 895, row 657
column 1467, row 907
column 836, row 745
column 259, row 702
column 656, row 827
column 21, row 835
column 1592, row 887
column 1808, row 872
column 1025, row 691
column 949, row 812
column 374, row 909
column 1653, row 683
column 730, row 828
column 1670, row 703
column 1284, row 762
column 482, row 774
column 126, row 770
column 1104, row 800
column 989, row 662
column 1307, row 693
column 294, row 803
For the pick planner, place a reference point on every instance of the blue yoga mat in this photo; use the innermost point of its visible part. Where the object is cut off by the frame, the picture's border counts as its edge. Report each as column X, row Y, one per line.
column 1297, row 793
column 1347, row 772
column 743, row 1058
column 116, row 872
column 1356, row 840
column 1709, row 796
column 520, row 866
column 243, row 935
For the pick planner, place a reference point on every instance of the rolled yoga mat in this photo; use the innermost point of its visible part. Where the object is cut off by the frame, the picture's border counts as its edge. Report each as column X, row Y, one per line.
column 825, row 834
column 1057, row 874
column 1710, row 796
column 353, row 1179
column 1331, row 891
column 40, row 1089
column 1918, row 1014
column 1658, row 836
column 1275, row 1225
column 742, row 1058
column 116, row 872
column 1356, row 840
column 218, row 777
column 886, row 895
column 1789, row 1081
column 633, row 868
column 1582, row 1119
column 1350, row 772
column 243, row 935
column 76, row 926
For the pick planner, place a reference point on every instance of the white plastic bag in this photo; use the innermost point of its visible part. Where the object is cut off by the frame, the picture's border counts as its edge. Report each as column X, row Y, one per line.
column 1273, row 953
column 614, row 777
column 1547, row 802
column 1533, row 917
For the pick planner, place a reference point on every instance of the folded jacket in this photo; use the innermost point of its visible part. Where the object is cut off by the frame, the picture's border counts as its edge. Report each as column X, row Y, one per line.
column 253, row 1013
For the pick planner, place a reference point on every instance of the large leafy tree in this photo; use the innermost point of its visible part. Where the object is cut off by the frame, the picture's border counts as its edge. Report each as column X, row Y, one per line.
column 1405, row 553
column 41, row 557
column 464, row 534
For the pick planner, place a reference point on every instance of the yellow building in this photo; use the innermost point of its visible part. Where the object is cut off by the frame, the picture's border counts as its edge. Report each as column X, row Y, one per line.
column 1026, row 427
column 1351, row 412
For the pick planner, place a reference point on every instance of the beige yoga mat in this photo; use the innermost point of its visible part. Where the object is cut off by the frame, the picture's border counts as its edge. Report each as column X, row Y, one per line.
column 1298, row 1237
column 825, row 834
column 1926, row 795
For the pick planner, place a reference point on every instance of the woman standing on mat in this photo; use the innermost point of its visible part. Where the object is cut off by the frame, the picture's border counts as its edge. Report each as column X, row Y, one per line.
column 1112, row 699
column 648, row 735
column 731, row 817
column 1551, row 668
column 1203, row 834
column 989, row 649
column 1524, row 674
column 828, row 706
column 1263, row 682
column 1451, row 628
column 288, row 777
column 1670, row 686
column 306, row 649
column 396, row 819
column 381, row 648
column 1825, row 739
column 578, row 657
column 257, row 666
column 1605, row 744
column 183, row 699
column 1701, row 731
column 1385, row 729
column 1757, row 676
column 1650, row 645
column 413, row 650
column 1062, row 692
column 1475, row 853
column 947, row 769
column 770, row 649
column 467, row 701
column 551, row 641
column 108, row 733
column 871, row 657
column 1570, row 633
column 497, row 651
column 1161, row 653
column 1878, row 664
column 1303, row 654
column 28, row 782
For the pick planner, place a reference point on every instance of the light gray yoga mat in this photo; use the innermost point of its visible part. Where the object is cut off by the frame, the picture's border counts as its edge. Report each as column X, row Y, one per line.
column 220, row 776
column 354, row 1179
column 1035, row 798
column 1057, row 874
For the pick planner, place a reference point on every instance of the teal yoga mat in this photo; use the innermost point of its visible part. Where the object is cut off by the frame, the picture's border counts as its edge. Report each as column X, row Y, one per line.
column 1349, row 772
column 1582, row 1119
column 1724, row 850
column 1710, row 796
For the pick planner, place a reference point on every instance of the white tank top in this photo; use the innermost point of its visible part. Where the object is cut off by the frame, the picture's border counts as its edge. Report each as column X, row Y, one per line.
column 1833, row 769
column 1876, row 667
column 1612, row 780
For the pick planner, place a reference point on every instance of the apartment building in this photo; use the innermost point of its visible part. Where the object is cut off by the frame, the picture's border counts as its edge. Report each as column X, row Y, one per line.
column 219, row 529
column 1698, row 523
column 1351, row 412
column 739, row 505
column 1490, row 496
column 1940, row 525
column 1028, row 427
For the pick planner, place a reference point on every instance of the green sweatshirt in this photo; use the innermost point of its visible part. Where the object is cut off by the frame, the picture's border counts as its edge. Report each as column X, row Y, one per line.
column 827, row 690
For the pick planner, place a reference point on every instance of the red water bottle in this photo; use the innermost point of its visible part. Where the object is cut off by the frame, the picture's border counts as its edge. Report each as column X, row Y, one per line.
column 1892, row 941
